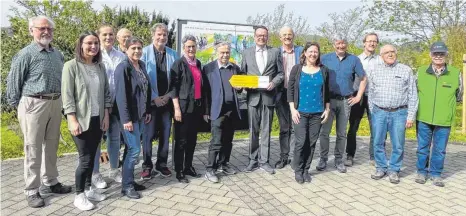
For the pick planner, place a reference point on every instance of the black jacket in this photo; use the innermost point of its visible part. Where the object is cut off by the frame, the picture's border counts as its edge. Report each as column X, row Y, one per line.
column 293, row 85
column 182, row 86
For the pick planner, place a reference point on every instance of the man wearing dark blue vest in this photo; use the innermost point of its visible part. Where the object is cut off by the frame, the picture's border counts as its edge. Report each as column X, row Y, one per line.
column 224, row 110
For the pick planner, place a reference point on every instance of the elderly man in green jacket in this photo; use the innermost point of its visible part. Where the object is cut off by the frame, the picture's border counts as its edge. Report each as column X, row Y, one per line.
column 439, row 88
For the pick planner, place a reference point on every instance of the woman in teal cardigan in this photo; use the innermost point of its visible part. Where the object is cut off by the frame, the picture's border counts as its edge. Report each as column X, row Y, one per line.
column 86, row 103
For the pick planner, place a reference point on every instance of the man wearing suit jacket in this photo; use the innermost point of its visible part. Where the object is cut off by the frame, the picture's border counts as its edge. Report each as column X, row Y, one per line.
column 224, row 110
column 158, row 59
column 261, row 60
column 290, row 54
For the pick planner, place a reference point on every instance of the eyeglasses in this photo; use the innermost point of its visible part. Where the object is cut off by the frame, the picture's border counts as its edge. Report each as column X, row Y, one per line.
column 261, row 36
column 42, row 29
column 372, row 41
column 389, row 52
column 439, row 54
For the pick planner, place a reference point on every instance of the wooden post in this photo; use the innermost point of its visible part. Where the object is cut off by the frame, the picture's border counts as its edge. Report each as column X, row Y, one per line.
column 464, row 96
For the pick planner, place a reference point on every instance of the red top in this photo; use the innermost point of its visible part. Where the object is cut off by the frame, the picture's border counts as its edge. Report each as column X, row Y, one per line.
column 197, row 80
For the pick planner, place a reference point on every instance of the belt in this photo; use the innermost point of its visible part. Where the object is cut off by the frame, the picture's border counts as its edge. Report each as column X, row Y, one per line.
column 393, row 109
column 339, row 97
column 45, row 97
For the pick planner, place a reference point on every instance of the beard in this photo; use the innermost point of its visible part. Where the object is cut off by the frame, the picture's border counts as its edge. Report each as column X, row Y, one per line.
column 45, row 40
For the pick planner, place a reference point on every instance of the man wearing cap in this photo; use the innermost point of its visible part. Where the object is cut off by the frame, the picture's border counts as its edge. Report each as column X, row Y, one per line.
column 343, row 67
column 439, row 88
column 393, row 104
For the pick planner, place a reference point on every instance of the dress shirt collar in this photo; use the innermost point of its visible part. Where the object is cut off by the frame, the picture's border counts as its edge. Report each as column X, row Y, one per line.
column 390, row 66
column 364, row 56
column 220, row 66
column 261, row 49
column 291, row 52
column 39, row 48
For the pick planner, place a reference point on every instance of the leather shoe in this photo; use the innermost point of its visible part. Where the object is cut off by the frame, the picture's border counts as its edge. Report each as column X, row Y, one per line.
column 138, row 187
column 181, row 177
column 298, row 176
column 131, row 193
column 307, row 177
column 251, row 167
column 191, row 172
column 281, row 163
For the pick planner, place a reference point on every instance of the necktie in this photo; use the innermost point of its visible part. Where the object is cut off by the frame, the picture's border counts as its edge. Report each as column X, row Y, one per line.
column 261, row 61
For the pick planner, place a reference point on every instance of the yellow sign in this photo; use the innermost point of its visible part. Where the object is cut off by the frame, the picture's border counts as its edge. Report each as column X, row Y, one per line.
column 247, row 81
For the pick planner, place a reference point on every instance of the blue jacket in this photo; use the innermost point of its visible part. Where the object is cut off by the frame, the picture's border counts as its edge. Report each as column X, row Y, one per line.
column 148, row 56
column 215, row 89
column 297, row 53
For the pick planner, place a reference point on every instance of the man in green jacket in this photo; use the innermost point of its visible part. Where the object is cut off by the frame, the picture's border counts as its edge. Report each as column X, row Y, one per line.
column 439, row 88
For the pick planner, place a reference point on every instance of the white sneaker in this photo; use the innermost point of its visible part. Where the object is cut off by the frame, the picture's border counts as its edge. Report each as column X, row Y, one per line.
column 82, row 203
column 98, row 181
column 93, row 195
column 115, row 174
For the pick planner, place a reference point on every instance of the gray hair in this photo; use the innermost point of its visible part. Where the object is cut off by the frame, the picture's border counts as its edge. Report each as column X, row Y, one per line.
column 286, row 28
column 223, row 43
column 188, row 38
column 158, row 25
column 387, row 45
column 34, row 19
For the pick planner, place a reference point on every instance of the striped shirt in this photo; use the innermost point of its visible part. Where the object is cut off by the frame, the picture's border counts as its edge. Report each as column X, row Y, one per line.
column 34, row 71
column 289, row 61
column 393, row 86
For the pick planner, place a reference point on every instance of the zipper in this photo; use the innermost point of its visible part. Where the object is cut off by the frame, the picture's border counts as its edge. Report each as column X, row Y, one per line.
column 435, row 97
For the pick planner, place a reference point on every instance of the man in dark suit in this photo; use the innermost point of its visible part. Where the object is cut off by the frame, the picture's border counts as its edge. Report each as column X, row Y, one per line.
column 261, row 60
column 224, row 110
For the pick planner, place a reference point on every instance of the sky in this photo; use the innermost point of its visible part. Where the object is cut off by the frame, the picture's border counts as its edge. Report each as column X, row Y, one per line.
column 316, row 12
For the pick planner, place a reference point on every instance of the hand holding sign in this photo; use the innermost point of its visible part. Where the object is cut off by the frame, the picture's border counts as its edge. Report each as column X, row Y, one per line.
column 247, row 81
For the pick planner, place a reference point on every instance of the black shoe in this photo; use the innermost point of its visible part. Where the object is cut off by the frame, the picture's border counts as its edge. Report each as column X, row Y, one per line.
column 281, row 163
column 298, row 176
column 251, row 167
column 181, row 177
column 58, row 188
column 307, row 177
column 227, row 169
column 210, row 175
column 191, row 172
column 322, row 165
column 130, row 193
column 266, row 167
column 138, row 187
column 164, row 171
column 35, row 201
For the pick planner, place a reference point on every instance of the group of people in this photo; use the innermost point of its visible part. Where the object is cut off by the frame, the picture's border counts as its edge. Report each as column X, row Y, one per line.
column 137, row 91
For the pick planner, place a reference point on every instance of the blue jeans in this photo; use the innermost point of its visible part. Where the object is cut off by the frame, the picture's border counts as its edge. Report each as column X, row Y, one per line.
column 438, row 136
column 395, row 124
column 113, row 144
column 133, row 141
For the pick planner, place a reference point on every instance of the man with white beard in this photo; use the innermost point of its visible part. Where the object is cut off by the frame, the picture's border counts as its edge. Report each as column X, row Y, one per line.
column 34, row 88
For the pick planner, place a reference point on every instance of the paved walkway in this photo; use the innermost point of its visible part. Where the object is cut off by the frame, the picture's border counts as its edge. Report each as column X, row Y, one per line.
column 259, row 193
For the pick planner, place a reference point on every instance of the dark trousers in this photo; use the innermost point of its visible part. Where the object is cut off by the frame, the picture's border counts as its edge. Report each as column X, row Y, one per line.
column 160, row 125
column 87, row 143
column 306, row 133
column 357, row 113
column 287, row 139
column 260, row 120
column 222, row 130
column 186, row 138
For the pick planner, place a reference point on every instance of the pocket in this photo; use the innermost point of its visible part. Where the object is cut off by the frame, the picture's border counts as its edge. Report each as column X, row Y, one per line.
column 29, row 105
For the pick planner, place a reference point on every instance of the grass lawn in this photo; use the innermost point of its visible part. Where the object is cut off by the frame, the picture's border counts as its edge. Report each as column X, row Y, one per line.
column 12, row 144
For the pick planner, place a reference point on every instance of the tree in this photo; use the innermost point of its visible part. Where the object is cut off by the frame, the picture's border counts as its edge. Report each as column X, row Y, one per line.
column 420, row 20
column 276, row 20
column 350, row 25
